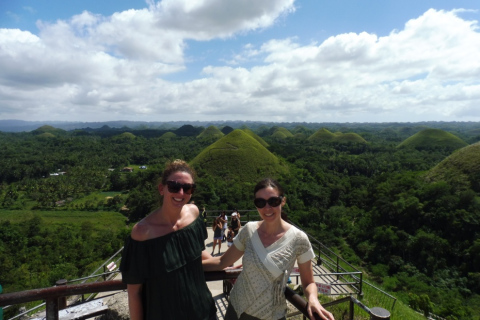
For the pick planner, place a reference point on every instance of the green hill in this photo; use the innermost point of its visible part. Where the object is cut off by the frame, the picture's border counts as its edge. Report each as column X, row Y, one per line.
column 124, row 136
column 48, row 129
column 227, row 129
column 210, row 133
column 168, row 136
column 256, row 137
column 282, row 133
column 460, row 168
column 238, row 156
column 351, row 137
column 300, row 136
column 429, row 139
column 324, row 135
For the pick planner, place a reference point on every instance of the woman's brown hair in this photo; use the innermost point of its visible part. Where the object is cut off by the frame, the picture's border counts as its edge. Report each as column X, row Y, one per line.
column 176, row 166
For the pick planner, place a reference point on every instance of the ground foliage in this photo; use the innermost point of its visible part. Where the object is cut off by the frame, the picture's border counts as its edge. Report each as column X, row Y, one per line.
column 418, row 237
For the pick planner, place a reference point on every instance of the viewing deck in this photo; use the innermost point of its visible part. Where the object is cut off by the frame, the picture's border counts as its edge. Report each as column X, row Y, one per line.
column 333, row 275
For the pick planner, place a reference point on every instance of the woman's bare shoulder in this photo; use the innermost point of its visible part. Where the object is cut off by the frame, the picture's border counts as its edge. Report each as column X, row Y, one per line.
column 192, row 210
column 141, row 230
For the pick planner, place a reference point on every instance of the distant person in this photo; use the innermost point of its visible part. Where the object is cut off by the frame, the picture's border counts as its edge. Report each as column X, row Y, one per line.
column 162, row 258
column 204, row 216
column 230, row 236
column 217, row 234
column 235, row 223
column 239, row 217
column 224, row 220
column 270, row 248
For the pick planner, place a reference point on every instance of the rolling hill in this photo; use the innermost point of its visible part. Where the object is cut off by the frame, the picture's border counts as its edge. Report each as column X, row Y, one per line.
column 460, row 168
column 211, row 133
column 238, row 156
column 429, row 139
column 324, row 135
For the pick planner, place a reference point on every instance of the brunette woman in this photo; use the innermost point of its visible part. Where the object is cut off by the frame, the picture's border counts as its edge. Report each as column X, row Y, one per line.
column 269, row 248
column 162, row 258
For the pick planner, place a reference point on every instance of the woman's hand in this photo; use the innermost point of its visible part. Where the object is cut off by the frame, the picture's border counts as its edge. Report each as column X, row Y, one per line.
column 240, row 266
column 315, row 307
column 311, row 292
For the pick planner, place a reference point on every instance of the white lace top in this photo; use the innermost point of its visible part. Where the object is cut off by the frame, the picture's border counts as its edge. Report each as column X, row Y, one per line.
column 259, row 289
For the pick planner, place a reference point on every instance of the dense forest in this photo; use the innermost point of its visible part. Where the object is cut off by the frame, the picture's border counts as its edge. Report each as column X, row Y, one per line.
column 385, row 196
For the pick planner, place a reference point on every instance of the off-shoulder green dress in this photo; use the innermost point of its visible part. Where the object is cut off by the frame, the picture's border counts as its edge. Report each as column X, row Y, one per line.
column 170, row 269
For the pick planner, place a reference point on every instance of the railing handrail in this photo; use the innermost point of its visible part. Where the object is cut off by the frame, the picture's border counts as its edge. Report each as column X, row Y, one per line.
column 60, row 291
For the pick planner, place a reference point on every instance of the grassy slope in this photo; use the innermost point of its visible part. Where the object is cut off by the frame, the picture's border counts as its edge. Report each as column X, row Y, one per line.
column 256, row 137
column 106, row 220
column 462, row 165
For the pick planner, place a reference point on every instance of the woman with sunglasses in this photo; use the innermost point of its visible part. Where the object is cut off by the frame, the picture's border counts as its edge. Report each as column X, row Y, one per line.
column 162, row 258
column 269, row 248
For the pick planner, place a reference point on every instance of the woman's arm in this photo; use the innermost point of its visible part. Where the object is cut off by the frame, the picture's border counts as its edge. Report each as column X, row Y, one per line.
column 206, row 255
column 311, row 293
column 223, row 261
column 135, row 304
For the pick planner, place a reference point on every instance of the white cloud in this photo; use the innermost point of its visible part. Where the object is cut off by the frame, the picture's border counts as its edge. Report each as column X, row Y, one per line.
column 93, row 68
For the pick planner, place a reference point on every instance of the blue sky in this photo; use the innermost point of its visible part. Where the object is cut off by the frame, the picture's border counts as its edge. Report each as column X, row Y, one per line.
column 276, row 60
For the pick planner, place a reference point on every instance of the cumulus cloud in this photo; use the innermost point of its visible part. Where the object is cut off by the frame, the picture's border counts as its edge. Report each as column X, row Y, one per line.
column 93, row 67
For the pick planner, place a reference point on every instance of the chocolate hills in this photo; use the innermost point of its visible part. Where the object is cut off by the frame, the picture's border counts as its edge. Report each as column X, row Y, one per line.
column 429, row 139
column 462, row 168
column 238, row 156
column 211, row 133
column 281, row 133
column 256, row 137
column 324, row 135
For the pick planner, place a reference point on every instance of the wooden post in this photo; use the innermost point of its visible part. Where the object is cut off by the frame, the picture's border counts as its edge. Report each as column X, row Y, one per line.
column 52, row 308
column 352, row 310
column 62, row 301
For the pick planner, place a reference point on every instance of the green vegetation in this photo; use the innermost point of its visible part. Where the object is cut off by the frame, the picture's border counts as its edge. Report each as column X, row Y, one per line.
column 38, row 247
column 409, row 217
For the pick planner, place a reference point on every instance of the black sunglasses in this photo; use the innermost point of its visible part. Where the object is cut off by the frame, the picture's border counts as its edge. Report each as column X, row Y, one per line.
column 174, row 187
column 273, row 202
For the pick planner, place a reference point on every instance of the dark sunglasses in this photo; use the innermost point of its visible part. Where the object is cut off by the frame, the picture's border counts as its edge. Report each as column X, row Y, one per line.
column 273, row 202
column 174, row 187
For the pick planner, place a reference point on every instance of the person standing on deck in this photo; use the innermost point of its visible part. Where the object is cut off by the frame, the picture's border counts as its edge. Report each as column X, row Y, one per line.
column 162, row 258
column 270, row 248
